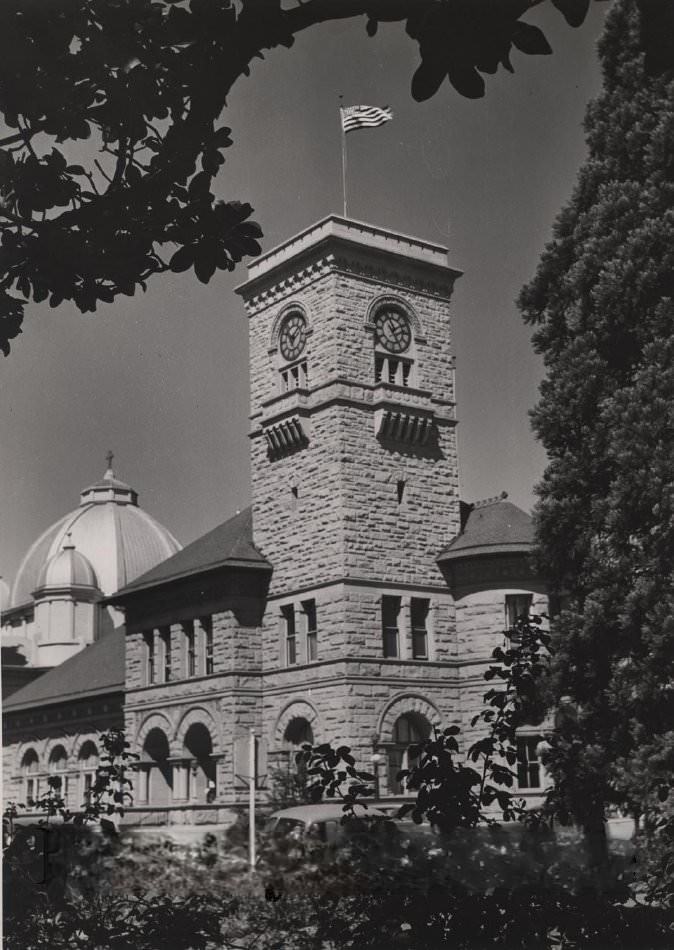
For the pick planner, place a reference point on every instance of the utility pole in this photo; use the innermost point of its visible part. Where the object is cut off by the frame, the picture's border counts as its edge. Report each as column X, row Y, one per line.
column 252, row 785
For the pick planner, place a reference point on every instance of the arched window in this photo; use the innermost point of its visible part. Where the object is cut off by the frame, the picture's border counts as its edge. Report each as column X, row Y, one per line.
column 30, row 766
column 291, row 776
column 201, row 785
column 298, row 731
column 88, row 763
column 58, row 763
column 156, row 771
column 408, row 730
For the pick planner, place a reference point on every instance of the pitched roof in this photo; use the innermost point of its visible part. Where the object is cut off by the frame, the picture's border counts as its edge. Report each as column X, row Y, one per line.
column 98, row 668
column 228, row 545
column 494, row 526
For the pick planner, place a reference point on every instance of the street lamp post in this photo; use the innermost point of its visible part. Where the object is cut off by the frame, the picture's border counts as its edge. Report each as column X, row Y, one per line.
column 377, row 758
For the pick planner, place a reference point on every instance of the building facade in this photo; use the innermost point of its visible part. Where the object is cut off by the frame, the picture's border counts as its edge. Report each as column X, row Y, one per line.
column 358, row 600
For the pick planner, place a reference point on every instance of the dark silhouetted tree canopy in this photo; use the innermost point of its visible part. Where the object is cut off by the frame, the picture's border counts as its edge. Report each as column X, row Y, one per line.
column 602, row 305
column 144, row 82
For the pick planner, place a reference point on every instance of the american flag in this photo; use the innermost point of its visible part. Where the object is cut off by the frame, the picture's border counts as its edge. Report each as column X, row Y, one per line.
column 364, row 117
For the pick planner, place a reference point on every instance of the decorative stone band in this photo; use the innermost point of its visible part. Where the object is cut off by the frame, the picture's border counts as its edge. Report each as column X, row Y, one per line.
column 399, row 426
column 285, row 436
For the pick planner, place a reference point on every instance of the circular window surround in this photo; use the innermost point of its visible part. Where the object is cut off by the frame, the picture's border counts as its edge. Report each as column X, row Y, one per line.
column 290, row 308
column 390, row 301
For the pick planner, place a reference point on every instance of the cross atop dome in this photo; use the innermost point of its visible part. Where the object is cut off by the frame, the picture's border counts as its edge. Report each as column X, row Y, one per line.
column 108, row 458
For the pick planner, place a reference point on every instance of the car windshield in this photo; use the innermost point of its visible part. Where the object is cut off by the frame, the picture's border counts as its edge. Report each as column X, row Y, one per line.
column 287, row 826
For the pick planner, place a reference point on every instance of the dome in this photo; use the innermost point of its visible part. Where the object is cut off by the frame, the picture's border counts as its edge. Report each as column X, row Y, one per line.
column 117, row 540
column 68, row 569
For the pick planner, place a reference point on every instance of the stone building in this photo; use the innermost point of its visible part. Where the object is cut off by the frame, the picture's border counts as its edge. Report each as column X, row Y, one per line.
column 358, row 600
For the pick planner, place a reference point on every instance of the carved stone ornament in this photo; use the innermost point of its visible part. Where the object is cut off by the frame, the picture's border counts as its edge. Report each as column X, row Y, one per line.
column 285, row 436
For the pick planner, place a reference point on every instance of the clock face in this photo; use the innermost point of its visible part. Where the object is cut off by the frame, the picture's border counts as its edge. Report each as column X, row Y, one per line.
column 293, row 336
column 393, row 330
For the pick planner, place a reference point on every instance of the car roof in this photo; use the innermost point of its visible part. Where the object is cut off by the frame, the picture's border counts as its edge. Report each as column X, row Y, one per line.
column 323, row 812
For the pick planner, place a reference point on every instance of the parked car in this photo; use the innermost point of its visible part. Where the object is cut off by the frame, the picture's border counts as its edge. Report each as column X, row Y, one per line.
column 325, row 822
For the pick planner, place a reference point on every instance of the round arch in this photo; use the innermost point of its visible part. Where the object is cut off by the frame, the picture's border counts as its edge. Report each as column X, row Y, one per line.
column 154, row 721
column 297, row 709
column 81, row 740
column 198, row 715
column 399, row 706
column 53, row 741
column 28, row 756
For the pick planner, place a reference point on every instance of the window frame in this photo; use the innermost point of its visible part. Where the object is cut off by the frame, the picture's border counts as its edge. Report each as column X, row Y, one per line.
column 528, row 765
column 289, row 628
column 209, row 650
column 167, row 654
column 150, row 657
column 310, row 632
column 513, row 610
column 190, row 636
column 393, row 369
column 389, row 632
column 420, row 603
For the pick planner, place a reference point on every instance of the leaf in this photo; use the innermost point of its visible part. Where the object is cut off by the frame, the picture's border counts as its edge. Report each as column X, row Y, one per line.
column 427, row 79
column 529, row 39
column 467, row 81
column 182, row 260
column 221, row 138
column 573, row 11
column 204, row 264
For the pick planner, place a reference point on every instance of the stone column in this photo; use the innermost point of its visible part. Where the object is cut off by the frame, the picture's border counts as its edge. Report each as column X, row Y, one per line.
column 180, row 779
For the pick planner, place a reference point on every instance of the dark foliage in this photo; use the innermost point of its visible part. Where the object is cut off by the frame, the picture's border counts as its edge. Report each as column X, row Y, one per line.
column 454, row 791
column 601, row 303
column 136, row 87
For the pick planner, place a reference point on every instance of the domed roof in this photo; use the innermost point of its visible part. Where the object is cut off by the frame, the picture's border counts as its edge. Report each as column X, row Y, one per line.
column 67, row 568
column 119, row 540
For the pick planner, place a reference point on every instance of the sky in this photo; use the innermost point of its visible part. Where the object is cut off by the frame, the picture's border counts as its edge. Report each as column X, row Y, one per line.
column 161, row 379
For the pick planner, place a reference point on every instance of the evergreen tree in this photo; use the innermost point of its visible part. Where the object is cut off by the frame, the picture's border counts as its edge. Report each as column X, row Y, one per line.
column 601, row 301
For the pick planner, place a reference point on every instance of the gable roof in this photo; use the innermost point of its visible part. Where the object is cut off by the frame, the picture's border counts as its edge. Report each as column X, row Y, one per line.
column 98, row 668
column 494, row 526
column 228, row 545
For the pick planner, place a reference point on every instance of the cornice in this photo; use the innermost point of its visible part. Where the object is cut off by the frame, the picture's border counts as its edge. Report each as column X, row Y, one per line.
column 410, row 277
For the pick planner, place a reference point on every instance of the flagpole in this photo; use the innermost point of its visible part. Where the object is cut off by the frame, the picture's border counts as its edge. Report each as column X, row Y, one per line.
column 341, row 122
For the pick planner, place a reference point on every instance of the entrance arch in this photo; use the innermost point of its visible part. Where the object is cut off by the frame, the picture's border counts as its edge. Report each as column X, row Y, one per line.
column 408, row 729
column 198, row 750
column 157, row 771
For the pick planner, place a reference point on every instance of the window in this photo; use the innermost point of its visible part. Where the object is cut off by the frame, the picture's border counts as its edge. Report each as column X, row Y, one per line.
column 390, row 612
column 392, row 370
column 309, row 607
column 419, row 608
column 88, row 763
column 516, row 607
column 408, row 730
column 290, row 634
column 207, row 625
column 528, row 762
column 190, row 649
column 58, row 780
column 150, row 659
column 165, row 634
column 88, row 784
column 30, row 766
column 294, row 377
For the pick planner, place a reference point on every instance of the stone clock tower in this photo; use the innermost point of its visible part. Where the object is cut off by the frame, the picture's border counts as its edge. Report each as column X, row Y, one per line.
column 355, row 484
